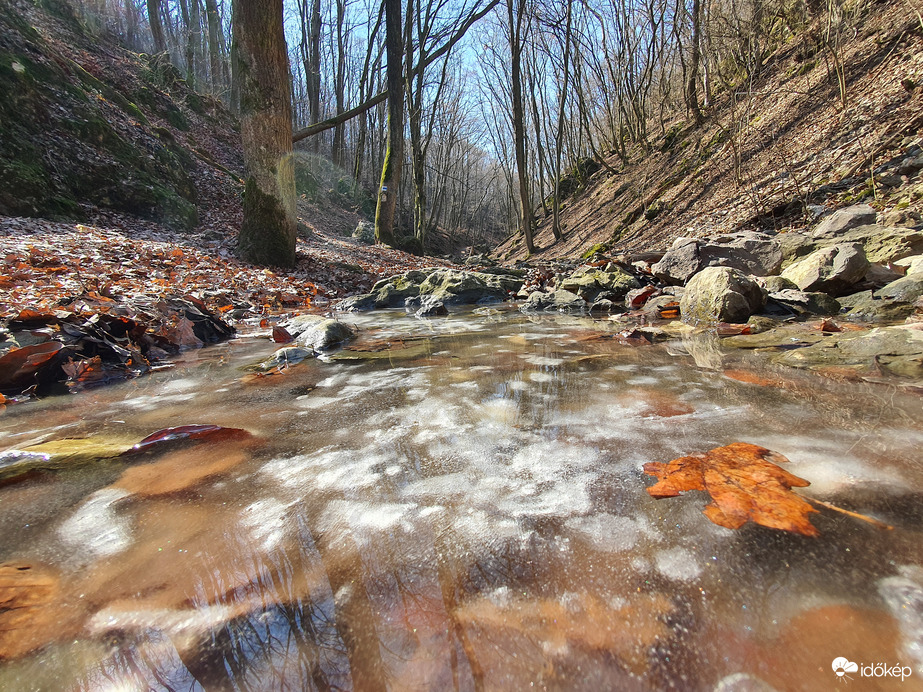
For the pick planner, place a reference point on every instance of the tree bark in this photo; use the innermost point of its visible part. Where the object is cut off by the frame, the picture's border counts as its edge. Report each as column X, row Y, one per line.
column 692, row 90
column 214, row 46
column 394, row 156
column 267, row 235
column 153, row 17
column 519, row 132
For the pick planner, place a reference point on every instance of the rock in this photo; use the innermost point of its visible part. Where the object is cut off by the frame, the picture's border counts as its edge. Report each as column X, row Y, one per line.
column 879, row 275
column 830, row 270
column 759, row 324
column 911, row 165
column 894, row 350
column 911, row 265
column 902, row 217
column 357, row 303
column 774, row 284
column 590, row 283
column 752, row 253
column 318, row 333
column 870, row 309
column 795, row 245
column 892, row 303
column 656, row 307
column 680, row 263
column 721, row 294
column 453, row 287
column 288, row 355
column 560, row 300
column 804, row 303
column 884, row 244
column 785, row 336
column 844, row 219
column 906, row 289
column 365, row 233
column 606, row 305
column 431, row 308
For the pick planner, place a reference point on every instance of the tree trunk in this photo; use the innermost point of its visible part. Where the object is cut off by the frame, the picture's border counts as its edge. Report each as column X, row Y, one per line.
column 519, row 131
column 338, row 153
column 214, row 47
column 394, row 156
column 153, row 17
column 559, row 135
column 692, row 90
column 267, row 235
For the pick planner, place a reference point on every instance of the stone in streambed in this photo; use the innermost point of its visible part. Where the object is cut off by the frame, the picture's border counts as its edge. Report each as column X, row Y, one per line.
column 721, row 294
column 829, row 270
column 317, row 332
column 805, row 303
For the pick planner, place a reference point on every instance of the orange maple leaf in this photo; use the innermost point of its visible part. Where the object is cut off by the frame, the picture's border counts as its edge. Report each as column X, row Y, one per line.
column 745, row 484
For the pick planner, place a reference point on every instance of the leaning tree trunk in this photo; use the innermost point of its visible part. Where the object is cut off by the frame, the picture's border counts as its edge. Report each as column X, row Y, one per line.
column 267, row 235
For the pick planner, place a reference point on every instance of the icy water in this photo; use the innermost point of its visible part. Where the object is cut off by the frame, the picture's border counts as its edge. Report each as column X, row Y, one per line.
column 465, row 510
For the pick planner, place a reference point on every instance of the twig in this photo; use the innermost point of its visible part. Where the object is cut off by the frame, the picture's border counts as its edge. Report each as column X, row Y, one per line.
column 854, row 515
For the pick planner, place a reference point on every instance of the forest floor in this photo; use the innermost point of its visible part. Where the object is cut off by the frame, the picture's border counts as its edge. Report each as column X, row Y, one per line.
column 771, row 156
column 47, row 263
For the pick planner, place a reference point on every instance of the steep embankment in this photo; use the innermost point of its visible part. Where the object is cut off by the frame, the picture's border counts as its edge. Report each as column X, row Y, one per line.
column 86, row 124
column 766, row 154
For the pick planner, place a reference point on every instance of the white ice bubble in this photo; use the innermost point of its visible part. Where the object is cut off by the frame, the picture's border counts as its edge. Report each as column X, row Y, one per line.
column 541, row 377
column 678, row 564
column 607, row 532
column 96, row 527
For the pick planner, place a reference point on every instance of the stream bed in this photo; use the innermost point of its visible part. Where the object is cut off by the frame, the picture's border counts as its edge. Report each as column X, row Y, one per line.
column 459, row 504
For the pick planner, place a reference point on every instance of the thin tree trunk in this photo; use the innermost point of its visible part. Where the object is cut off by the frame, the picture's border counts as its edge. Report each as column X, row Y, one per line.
column 519, row 133
column 559, row 135
column 214, row 47
column 692, row 90
column 267, row 235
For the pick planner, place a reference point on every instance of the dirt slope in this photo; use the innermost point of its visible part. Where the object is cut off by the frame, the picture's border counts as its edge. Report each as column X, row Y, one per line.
column 765, row 155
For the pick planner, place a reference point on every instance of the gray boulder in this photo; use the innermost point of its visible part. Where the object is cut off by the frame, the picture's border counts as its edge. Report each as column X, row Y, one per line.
column 830, row 270
column 774, row 284
column 906, row 289
column 560, row 300
column 453, row 287
column 804, row 303
column 680, row 264
column 843, row 219
column 318, row 333
column 752, row 253
column 365, row 233
column 884, row 244
column 721, row 294
column 590, row 283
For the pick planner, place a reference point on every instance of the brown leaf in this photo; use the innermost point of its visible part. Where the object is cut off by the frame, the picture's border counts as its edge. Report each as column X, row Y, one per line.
column 281, row 336
column 18, row 367
column 745, row 484
column 213, row 433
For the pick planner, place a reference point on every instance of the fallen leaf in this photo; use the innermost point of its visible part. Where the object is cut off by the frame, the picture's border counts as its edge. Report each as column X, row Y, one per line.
column 19, row 367
column 213, row 433
column 745, row 484
column 281, row 336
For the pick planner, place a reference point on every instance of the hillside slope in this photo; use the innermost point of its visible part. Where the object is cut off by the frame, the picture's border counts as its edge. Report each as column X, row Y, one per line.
column 84, row 124
column 768, row 157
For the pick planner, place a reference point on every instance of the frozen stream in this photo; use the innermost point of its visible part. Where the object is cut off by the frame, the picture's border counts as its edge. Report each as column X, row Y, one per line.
column 463, row 511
